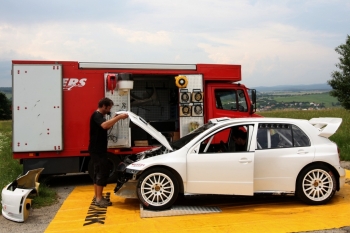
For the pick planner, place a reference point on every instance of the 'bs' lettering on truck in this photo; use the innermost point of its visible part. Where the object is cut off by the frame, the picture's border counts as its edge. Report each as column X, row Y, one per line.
column 69, row 83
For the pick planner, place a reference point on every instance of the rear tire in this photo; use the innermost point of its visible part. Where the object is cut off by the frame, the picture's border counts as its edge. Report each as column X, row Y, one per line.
column 316, row 185
column 157, row 189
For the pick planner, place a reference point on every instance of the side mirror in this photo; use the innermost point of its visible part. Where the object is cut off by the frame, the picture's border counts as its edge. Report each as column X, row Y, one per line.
column 252, row 94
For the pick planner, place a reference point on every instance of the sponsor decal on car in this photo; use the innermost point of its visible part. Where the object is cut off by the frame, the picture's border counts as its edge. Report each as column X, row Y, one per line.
column 137, row 164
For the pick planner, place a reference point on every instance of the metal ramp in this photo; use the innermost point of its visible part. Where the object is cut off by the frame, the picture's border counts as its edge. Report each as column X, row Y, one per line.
column 128, row 190
column 178, row 210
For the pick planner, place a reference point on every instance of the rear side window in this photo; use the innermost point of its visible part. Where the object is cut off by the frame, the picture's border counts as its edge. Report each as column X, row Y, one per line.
column 278, row 135
column 300, row 138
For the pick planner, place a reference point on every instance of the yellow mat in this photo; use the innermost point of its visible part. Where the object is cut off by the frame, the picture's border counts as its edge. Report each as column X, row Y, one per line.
column 251, row 214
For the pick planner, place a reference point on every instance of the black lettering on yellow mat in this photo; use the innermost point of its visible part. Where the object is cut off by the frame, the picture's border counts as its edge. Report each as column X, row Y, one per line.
column 96, row 214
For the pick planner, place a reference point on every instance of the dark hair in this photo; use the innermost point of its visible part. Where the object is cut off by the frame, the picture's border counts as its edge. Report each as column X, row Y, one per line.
column 105, row 102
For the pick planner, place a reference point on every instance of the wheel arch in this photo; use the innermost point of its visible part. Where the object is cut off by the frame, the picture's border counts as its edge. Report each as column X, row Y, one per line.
column 173, row 171
column 332, row 169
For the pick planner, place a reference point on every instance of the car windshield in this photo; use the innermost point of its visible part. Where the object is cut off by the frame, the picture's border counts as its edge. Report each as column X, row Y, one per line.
column 184, row 140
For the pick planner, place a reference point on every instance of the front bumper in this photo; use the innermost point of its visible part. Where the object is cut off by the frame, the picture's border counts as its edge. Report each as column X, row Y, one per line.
column 15, row 205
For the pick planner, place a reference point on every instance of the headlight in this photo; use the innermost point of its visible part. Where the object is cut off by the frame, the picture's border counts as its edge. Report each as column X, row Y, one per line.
column 132, row 171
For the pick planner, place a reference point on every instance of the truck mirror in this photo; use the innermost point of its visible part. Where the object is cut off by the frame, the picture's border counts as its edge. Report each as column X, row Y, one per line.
column 253, row 96
column 252, row 93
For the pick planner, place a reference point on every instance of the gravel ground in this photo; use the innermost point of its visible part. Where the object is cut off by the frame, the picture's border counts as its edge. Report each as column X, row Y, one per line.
column 39, row 219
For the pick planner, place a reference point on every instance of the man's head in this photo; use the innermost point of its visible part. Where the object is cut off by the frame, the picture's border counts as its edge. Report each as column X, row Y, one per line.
column 239, row 137
column 105, row 105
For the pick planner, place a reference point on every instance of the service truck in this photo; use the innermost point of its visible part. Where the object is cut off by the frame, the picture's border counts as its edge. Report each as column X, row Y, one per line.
column 53, row 102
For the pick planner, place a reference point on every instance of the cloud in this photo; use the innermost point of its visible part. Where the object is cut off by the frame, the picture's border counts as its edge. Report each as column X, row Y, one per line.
column 156, row 38
column 274, row 52
column 274, row 41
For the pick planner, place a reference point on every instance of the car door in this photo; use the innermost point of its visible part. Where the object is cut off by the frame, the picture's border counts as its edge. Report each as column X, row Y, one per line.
column 282, row 150
column 213, row 172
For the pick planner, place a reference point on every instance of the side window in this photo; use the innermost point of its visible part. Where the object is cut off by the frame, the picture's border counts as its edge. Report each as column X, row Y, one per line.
column 300, row 138
column 233, row 139
column 226, row 99
column 216, row 142
column 231, row 100
column 242, row 103
column 277, row 135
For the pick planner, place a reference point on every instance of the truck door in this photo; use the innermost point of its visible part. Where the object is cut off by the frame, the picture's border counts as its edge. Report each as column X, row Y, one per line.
column 37, row 108
column 221, row 169
column 227, row 100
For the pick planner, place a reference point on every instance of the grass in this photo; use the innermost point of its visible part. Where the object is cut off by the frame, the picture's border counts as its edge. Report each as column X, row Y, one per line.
column 341, row 137
column 316, row 97
column 11, row 168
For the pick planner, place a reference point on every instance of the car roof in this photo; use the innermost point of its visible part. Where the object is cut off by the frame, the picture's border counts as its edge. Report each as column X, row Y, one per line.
column 225, row 120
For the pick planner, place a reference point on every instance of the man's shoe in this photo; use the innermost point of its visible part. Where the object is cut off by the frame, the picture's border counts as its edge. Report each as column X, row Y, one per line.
column 103, row 203
column 109, row 203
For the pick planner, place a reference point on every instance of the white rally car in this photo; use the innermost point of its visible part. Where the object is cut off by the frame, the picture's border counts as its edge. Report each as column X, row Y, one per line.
column 275, row 156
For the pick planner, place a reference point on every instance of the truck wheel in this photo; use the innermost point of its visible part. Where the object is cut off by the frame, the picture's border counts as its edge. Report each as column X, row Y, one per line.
column 316, row 185
column 157, row 189
column 114, row 160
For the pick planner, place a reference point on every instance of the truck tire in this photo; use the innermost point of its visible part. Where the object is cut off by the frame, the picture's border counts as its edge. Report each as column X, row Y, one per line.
column 114, row 160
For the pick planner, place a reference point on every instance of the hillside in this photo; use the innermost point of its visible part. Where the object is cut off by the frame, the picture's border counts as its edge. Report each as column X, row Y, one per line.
column 7, row 91
column 294, row 88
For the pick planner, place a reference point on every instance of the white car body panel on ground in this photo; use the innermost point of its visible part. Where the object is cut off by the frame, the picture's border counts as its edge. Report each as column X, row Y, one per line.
column 15, row 205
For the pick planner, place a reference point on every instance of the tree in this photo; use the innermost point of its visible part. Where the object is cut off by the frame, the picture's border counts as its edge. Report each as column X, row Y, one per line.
column 340, row 81
column 5, row 107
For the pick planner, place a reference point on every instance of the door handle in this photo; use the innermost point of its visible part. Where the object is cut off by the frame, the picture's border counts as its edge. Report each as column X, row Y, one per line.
column 244, row 160
column 302, row 152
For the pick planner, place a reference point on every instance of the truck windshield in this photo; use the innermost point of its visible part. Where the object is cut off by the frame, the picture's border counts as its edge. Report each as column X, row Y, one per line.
column 186, row 139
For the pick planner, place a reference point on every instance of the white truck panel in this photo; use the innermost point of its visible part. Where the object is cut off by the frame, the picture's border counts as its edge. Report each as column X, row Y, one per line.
column 37, row 108
column 195, row 81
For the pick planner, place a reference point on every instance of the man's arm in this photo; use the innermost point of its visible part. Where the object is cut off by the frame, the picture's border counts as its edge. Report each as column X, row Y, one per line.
column 108, row 124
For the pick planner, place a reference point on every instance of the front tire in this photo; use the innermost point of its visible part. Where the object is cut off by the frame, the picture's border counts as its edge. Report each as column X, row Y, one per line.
column 316, row 185
column 157, row 189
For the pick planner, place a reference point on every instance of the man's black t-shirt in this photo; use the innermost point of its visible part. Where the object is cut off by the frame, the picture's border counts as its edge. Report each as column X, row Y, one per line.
column 98, row 135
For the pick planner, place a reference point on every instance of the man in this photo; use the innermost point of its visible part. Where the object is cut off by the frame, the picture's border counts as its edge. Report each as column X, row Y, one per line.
column 98, row 147
column 240, row 140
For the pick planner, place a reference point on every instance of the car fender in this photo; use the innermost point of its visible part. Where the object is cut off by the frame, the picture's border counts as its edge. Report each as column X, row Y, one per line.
column 175, row 160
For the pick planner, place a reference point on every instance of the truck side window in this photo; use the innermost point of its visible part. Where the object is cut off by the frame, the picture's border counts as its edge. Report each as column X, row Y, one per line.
column 231, row 100
column 242, row 107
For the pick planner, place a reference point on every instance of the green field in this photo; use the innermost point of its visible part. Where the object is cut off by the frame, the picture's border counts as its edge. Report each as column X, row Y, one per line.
column 316, row 97
column 10, row 168
column 8, row 96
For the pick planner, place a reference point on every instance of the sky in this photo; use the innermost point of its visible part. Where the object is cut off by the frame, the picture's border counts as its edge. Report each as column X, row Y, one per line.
column 276, row 42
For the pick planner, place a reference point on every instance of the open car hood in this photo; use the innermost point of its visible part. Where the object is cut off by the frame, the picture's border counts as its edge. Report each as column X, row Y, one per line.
column 139, row 121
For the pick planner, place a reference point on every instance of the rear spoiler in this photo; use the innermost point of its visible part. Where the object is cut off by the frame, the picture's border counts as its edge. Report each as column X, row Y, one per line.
column 326, row 125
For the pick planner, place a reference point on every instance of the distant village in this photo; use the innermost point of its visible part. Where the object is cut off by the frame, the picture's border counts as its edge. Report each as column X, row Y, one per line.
column 268, row 103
